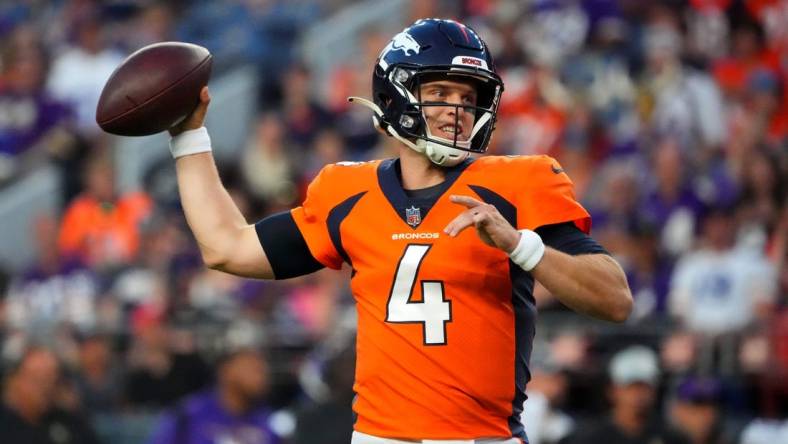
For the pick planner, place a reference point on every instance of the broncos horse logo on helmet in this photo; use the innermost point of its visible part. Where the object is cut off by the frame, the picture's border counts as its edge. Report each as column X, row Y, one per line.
column 404, row 42
column 431, row 47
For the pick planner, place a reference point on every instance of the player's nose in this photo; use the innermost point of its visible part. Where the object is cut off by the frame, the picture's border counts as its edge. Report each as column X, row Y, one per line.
column 455, row 99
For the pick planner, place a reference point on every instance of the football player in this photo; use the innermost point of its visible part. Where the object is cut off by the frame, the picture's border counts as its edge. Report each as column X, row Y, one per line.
column 444, row 246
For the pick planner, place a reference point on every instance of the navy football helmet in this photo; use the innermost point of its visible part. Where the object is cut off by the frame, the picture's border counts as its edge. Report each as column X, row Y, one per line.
column 430, row 49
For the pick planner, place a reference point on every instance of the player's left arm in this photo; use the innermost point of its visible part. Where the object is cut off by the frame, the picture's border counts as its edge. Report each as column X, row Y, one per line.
column 592, row 284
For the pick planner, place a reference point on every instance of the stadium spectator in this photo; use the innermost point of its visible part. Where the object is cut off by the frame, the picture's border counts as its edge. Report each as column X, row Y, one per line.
column 303, row 116
column 329, row 147
column 500, row 23
column 57, row 288
column 352, row 79
column 614, row 201
column 101, row 226
column 328, row 413
column 686, row 103
column 634, row 376
column 599, row 77
column 533, row 114
column 233, row 411
column 33, row 124
column 647, row 277
column 755, row 121
column 671, row 202
column 216, row 295
column 543, row 417
column 678, row 352
column 747, row 56
column 163, row 248
column 28, row 413
column 762, row 99
column 552, row 32
column 765, row 431
column 575, row 149
column 763, row 193
column 719, row 288
column 99, row 379
column 268, row 165
column 160, row 374
column 81, row 69
column 707, row 30
column 313, row 301
column 696, row 410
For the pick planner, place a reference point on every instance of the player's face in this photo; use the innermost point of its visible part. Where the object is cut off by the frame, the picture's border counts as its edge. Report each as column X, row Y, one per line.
column 448, row 121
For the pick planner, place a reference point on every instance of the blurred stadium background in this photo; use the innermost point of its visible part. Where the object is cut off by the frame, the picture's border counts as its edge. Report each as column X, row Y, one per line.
column 671, row 117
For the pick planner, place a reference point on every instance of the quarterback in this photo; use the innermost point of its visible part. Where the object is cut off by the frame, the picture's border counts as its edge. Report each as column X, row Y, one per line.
column 444, row 246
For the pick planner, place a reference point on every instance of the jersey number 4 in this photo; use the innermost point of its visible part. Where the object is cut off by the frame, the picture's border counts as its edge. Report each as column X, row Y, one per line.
column 433, row 312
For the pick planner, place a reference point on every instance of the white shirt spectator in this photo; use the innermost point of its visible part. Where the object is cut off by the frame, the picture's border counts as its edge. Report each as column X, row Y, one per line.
column 41, row 304
column 78, row 76
column 717, row 292
column 761, row 431
column 542, row 423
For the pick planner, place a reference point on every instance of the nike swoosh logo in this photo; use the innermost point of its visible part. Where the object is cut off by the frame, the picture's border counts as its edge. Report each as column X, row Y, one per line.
column 556, row 170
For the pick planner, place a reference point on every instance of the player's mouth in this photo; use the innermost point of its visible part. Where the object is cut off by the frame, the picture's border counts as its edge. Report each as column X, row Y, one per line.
column 450, row 131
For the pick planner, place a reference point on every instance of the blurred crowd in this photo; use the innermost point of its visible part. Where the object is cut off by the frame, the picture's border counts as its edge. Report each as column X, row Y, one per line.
column 670, row 116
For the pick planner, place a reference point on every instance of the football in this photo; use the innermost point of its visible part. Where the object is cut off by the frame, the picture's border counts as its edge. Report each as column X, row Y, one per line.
column 153, row 89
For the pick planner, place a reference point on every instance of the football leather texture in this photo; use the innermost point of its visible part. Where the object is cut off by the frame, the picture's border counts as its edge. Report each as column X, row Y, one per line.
column 153, row 89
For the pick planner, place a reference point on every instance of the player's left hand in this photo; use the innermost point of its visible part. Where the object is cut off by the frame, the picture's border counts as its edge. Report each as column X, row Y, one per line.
column 491, row 227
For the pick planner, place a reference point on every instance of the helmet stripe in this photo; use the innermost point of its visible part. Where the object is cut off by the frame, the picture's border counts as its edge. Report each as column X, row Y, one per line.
column 464, row 33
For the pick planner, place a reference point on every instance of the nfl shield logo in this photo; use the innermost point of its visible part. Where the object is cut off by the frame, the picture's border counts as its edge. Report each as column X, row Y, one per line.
column 413, row 216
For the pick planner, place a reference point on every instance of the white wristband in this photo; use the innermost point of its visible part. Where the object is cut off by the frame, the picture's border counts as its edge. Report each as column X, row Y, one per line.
column 529, row 250
column 190, row 142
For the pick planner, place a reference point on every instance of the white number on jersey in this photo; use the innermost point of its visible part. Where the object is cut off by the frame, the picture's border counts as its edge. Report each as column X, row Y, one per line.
column 433, row 312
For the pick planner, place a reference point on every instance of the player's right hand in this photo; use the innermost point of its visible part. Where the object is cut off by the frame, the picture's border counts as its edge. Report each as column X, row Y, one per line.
column 490, row 225
column 197, row 118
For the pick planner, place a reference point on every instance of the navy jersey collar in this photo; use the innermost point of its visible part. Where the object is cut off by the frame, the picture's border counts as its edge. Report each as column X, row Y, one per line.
column 391, row 185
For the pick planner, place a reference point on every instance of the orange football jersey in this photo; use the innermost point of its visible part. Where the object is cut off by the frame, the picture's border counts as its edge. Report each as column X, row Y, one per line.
column 445, row 325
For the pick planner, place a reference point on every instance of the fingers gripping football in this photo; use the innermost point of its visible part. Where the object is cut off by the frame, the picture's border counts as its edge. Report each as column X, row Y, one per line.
column 196, row 118
column 490, row 225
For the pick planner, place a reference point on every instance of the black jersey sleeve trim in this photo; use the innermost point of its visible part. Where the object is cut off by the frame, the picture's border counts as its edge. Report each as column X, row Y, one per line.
column 335, row 218
column 285, row 247
column 567, row 238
